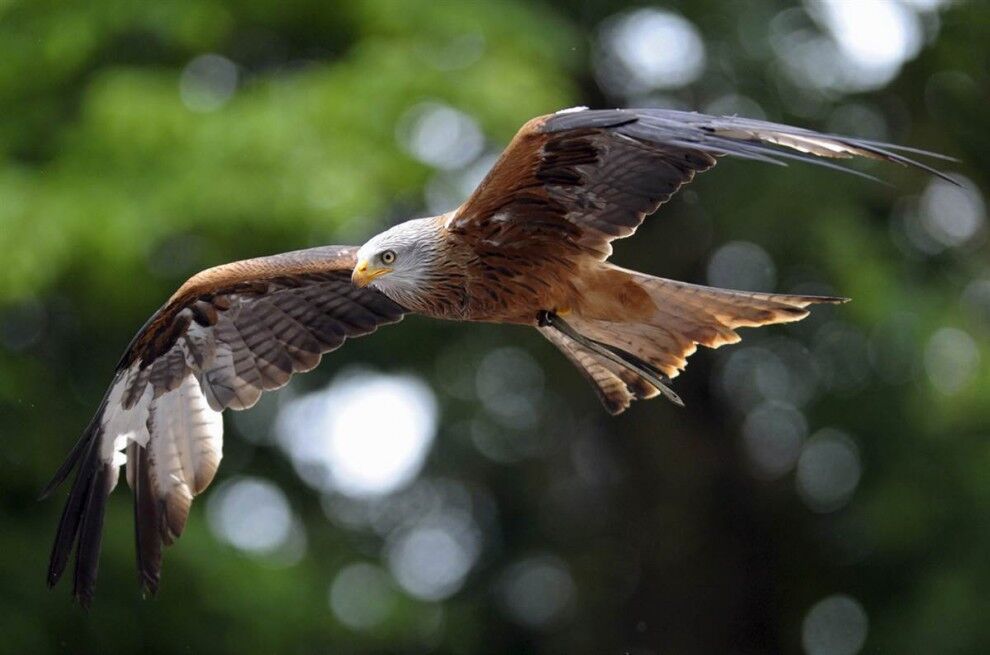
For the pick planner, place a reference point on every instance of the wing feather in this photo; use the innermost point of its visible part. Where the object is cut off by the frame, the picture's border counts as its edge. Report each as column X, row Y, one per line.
column 147, row 520
column 226, row 336
column 589, row 177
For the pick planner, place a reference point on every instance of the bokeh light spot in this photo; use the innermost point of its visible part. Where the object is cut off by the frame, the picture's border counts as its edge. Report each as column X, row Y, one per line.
column 876, row 33
column 733, row 104
column 431, row 559
column 448, row 189
column 366, row 434
column 828, row 470
column 772, row 434
column 207, row 83
column 951, row 360
column 742, row 265
column 648, row 49
column 836, row 625
column 874, row 38
column 952, row 215
column 440, row 136
column 510, row 384
column 537, row 592
column 362, row 596
column 750, row 375
column 251, row 514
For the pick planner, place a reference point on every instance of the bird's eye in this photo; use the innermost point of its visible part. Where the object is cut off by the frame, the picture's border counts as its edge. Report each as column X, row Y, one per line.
column 388, row 256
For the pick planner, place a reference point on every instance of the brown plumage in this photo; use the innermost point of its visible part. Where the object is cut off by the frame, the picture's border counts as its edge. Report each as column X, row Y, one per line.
column 528, row 247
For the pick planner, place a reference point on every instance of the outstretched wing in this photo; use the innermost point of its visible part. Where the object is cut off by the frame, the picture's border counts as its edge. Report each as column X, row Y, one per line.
column 227, row 335
column 592, row 176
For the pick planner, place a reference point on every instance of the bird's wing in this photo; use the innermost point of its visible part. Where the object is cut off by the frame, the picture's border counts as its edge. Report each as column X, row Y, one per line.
column 227, row 335
column 592, row 176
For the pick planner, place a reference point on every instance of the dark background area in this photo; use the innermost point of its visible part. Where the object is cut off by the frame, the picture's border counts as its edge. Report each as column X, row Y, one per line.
column 456, row 488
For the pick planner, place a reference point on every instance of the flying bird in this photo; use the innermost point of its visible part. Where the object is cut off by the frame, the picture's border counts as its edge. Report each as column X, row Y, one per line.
column 529, row 247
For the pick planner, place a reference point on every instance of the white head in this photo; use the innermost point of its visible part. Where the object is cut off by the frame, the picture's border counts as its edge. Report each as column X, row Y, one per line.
column 399, row 260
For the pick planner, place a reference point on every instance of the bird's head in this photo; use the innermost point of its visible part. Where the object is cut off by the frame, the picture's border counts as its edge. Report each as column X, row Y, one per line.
column 398, row 259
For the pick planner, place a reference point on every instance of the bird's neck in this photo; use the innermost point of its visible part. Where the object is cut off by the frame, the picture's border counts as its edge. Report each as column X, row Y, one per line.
column 438, row 288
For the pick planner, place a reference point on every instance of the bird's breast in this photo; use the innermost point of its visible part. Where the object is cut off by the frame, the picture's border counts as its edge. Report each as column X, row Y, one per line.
column 506, row 287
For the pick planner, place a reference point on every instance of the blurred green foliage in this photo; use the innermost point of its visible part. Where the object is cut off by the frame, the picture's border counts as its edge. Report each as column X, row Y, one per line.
column 113, row 190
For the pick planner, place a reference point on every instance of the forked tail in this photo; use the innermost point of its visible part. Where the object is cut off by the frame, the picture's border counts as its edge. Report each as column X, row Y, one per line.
column 647, row 351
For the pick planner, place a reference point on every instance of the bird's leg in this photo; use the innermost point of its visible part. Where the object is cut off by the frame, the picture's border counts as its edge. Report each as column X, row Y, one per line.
column 545, row 318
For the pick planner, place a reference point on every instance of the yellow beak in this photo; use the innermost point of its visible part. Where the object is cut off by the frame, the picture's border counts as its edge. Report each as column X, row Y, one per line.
column 362, row 275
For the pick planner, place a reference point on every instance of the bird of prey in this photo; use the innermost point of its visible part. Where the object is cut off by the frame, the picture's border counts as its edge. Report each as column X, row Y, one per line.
column 529, row 247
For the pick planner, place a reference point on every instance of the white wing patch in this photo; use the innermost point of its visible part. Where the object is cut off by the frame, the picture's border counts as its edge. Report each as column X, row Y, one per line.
column 123, row 425
column 186, row 437
column 183, row 435
column 185, row 448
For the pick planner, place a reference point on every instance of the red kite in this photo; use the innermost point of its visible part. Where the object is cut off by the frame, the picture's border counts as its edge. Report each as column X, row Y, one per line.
column 529, row 247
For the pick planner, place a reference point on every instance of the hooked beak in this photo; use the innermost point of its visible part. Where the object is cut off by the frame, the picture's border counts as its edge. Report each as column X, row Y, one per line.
column 362, row 275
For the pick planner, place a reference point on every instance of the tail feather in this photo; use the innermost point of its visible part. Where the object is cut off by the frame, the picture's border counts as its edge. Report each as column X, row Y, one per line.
column 716, row 313
column 614, row 393
column 687, row 315
column 678, row 318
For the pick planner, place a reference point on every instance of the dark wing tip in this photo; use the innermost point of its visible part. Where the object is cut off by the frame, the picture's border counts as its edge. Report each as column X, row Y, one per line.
column 147, row 535
column 716, row 134
column 80, row 526
column 828, row 300
column 73, row 458
column 913, row 151
column 91, row 535
column 72, row 513
column 885, row 152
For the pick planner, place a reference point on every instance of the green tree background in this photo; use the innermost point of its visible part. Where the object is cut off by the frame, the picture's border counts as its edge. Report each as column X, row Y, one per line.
column 828, row 482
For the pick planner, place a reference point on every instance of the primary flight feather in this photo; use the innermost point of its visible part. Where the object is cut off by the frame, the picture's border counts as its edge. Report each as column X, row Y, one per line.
column 530, row 246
